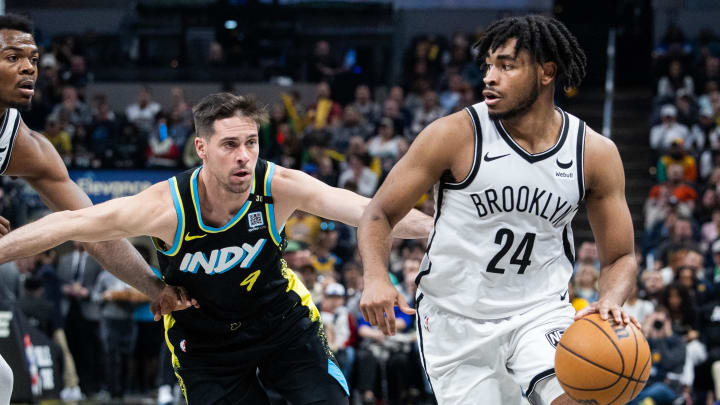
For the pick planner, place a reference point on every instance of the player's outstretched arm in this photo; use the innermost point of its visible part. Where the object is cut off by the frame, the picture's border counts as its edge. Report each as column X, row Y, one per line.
column 612, row 227
column 36, row 161
column 300, row 191
column 428, row 157
column 147, row 213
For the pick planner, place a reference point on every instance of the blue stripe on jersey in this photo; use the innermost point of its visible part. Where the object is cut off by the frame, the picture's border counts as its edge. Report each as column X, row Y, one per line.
column 196, row 203
column 335, row 372
column 175, row 193
column 270, row 208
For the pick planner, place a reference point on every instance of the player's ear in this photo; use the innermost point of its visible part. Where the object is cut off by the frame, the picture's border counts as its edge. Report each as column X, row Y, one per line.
column 548, row 71
column 200, row 146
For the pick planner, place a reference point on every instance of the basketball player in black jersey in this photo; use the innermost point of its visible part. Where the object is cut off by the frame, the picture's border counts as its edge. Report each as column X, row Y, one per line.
column 219, row 232
column 27, row 154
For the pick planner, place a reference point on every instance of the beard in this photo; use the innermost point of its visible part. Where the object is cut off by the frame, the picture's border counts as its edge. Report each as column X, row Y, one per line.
column 521, row 107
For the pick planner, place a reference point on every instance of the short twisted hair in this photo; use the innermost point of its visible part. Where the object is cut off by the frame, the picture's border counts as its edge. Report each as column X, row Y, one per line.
column 546, row 39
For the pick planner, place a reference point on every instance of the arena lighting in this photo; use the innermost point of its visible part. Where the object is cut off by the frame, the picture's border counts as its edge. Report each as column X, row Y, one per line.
column 231, row 24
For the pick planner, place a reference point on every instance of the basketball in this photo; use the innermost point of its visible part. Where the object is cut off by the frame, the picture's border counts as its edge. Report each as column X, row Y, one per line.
column 601, row 362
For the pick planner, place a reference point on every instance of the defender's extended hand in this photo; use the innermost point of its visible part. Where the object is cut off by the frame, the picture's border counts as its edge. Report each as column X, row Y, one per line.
column 171, row 299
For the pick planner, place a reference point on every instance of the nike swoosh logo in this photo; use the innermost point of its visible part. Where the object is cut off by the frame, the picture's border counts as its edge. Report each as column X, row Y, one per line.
column 562, row 297
column 188, row 238
column 563, row 165
column 490, row 159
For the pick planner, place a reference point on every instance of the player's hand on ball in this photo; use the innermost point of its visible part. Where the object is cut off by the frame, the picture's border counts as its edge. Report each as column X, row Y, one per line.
column 608, row 309
column 378, row 305
column 4, row 226
column 171, row 299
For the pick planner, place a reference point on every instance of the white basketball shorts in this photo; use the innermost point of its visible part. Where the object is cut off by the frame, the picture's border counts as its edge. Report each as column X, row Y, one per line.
column 492, row 362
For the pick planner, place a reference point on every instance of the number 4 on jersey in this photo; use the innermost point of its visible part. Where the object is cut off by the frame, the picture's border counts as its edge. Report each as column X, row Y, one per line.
column 524, row 249
column 250, row 280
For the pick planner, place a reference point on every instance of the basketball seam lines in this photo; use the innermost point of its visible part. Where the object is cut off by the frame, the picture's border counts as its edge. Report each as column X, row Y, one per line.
column 632, row 373
column 599, row 366
column 617, row 349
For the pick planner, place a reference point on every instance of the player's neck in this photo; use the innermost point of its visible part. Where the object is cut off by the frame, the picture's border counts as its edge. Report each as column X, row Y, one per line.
column 216, row 202
column 533, row 130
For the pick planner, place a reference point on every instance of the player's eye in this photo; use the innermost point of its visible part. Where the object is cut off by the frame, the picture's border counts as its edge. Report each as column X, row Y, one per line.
column 12, row 58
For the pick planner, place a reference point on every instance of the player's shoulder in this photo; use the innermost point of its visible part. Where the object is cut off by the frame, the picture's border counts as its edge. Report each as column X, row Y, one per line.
column 598, row 146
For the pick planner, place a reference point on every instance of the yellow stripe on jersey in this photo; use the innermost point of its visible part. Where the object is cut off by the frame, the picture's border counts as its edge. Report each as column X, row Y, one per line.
column 295, row 285
column 169, row 322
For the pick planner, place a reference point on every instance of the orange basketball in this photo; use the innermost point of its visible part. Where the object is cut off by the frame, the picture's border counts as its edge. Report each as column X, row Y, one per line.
column 601, row 362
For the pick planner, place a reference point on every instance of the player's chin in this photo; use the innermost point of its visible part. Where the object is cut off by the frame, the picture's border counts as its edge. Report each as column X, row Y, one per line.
column 21, row 103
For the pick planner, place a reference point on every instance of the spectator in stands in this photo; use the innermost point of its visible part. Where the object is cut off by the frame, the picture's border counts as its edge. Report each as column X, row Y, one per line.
column 142, row 113
column 323, row 258
column 710, row 98
column 358, row 172
column 59, row 138
column 430, row 111
column 668, row 360
column 687, row 276
column 353, row 124
column 710, row 230
column 102, row 134
column 681, row 308
column 323, row 65
column 701, row 130
column 385, row 145
column 677, row 155
column 162, row 149
column 340, row 326
column 675, row 80
column 129, row 147
column 638, row 307
column 663, row 134
column 652, row 283
column 585, row 283
column 365, row 105
column 79, row 273
column 709, row 72
column 302, row 227
column 673, row 191
column 679, row 239
column 117, row 328
column 712, row 274
column 72, row 111
column 687, row 109
column 397, row 94
column 401, row 121
column 324, row 111
column 709, row 328
column 411, row 267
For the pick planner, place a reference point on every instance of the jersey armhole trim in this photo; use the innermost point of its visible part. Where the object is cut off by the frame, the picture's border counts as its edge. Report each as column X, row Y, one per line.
column 476, row 156
column 180, row 212
column 270, row 208
column 13, row 136
column 582, row 129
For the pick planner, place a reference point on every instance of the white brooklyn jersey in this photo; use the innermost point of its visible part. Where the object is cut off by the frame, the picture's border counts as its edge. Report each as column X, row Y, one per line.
column 502, row 242
column 8, row 134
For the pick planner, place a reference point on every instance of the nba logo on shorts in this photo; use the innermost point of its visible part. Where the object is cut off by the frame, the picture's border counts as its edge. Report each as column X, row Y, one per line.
column 554, row 336
column 182, row 345
column 427, row 323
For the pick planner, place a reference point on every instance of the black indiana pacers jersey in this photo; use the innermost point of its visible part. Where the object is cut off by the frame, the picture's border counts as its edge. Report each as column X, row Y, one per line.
column 235, row 272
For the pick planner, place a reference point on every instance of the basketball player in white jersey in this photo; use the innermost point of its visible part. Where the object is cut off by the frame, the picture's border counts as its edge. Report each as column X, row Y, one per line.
column 509, row 175
column 29, row 155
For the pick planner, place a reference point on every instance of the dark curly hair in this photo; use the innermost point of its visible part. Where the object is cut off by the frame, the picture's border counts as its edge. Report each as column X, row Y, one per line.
column 16, row 22
column 546, row 39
